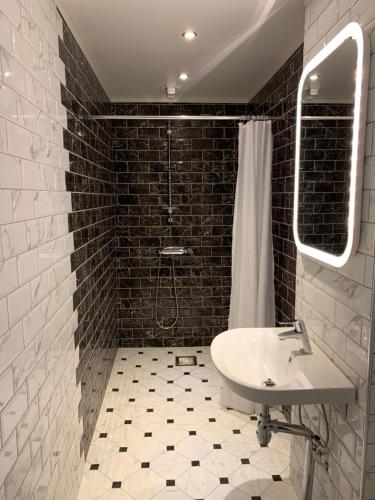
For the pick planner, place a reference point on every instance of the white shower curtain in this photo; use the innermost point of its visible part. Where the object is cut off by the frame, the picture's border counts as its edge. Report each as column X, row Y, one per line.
column 252, row 302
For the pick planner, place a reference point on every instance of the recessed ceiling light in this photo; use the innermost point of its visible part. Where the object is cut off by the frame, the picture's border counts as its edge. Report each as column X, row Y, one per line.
column 314, row 77
column 183, row 76
column 189, row 35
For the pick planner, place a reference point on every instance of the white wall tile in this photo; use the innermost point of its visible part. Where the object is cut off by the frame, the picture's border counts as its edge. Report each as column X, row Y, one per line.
column 13, row 73
column 327, row 19
column 16, row 476
column 8, row 456
column 372, row 400
column 28, row 114
column 19, row 141
column 22, row 204
column 344, row 6
column 11, row 414
column 5, row 32
column 4, row 323
column 371, row 106
column 6, row 214
column 11, row 345
column 12, row 10
column 6, row 387
column 34, row 91
column 14, row 239
column 348, row 332
column 349, row 322
column 27, row 423
column 8, row 103
column 35, row 232
column 31, row 175
column 42, row 203
column 334, row 339
column 10, row 172
column 30, row 30
column 3, row 135
column 21, row 49
column 367, row 239
column 363, row 13
column 28, row 266
column 39, row 288
column 8, row 276
column 36, row 309
column 19, row 303
column 33, row 324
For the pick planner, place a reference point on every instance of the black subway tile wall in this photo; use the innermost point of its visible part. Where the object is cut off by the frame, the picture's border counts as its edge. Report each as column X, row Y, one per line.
column 90, row 181
column 204, row 165
column 277, row 97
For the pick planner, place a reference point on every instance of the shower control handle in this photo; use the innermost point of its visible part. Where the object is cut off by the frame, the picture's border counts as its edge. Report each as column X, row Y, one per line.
column 171, row 251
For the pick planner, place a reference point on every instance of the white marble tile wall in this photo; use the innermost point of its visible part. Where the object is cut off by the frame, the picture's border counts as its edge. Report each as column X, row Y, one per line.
column 337, row 304
column 39, row 430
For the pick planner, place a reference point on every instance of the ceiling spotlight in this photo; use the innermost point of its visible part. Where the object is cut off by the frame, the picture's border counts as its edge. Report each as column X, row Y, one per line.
column 183, row 76
column 314, row 77
column 189, row 35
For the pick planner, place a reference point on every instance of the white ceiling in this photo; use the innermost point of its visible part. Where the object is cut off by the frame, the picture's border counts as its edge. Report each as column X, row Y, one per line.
column 136, row 47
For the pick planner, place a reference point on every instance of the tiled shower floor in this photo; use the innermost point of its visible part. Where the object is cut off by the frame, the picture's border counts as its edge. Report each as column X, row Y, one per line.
column 162, row 434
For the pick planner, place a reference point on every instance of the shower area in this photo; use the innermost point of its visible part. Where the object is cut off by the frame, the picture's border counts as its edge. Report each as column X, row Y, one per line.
column 173, row 190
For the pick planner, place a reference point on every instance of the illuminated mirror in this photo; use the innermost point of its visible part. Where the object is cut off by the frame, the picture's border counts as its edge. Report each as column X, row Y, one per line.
column 331, row 110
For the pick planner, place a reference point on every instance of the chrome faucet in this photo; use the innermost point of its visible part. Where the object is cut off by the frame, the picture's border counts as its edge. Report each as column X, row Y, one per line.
column 299, row 332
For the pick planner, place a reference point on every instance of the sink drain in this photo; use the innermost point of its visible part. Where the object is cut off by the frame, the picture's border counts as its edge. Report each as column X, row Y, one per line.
column 269, row 382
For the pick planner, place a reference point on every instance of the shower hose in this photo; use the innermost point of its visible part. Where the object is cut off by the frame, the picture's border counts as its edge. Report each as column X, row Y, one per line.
column 158, row 321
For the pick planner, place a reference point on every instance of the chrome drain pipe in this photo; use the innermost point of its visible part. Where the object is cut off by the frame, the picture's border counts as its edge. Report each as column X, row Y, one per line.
column 313, row 443
column 264, row 432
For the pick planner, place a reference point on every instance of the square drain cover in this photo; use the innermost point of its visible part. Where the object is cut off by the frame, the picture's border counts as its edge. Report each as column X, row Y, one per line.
column 186, row 360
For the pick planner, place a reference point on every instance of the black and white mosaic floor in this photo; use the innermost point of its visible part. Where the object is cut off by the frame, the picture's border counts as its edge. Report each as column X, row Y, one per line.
column 162, row 434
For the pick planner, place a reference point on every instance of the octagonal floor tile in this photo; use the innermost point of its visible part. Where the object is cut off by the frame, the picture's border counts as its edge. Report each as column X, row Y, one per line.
column 194, row 447
column 170, row 465
column 220, row 463
column 143, row 484
column 197, row 482
column 119, row 466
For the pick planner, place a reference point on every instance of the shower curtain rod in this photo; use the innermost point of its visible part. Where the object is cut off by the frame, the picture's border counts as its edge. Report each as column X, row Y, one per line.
column 213, row 117
column 185, row 117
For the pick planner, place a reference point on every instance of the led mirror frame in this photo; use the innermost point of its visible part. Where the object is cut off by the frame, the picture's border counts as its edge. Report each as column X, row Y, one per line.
column 352, row 30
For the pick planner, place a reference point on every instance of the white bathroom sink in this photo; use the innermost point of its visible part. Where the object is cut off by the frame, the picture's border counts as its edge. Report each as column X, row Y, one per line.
column 246, row 357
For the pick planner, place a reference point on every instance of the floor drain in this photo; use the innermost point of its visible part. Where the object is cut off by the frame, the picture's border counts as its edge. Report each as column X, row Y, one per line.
column 186, row 360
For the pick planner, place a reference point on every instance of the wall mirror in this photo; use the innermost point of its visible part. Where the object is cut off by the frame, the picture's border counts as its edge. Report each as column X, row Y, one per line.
column 331, row 112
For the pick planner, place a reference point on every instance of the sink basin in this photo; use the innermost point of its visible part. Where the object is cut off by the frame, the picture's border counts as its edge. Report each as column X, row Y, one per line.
column 246, row 357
